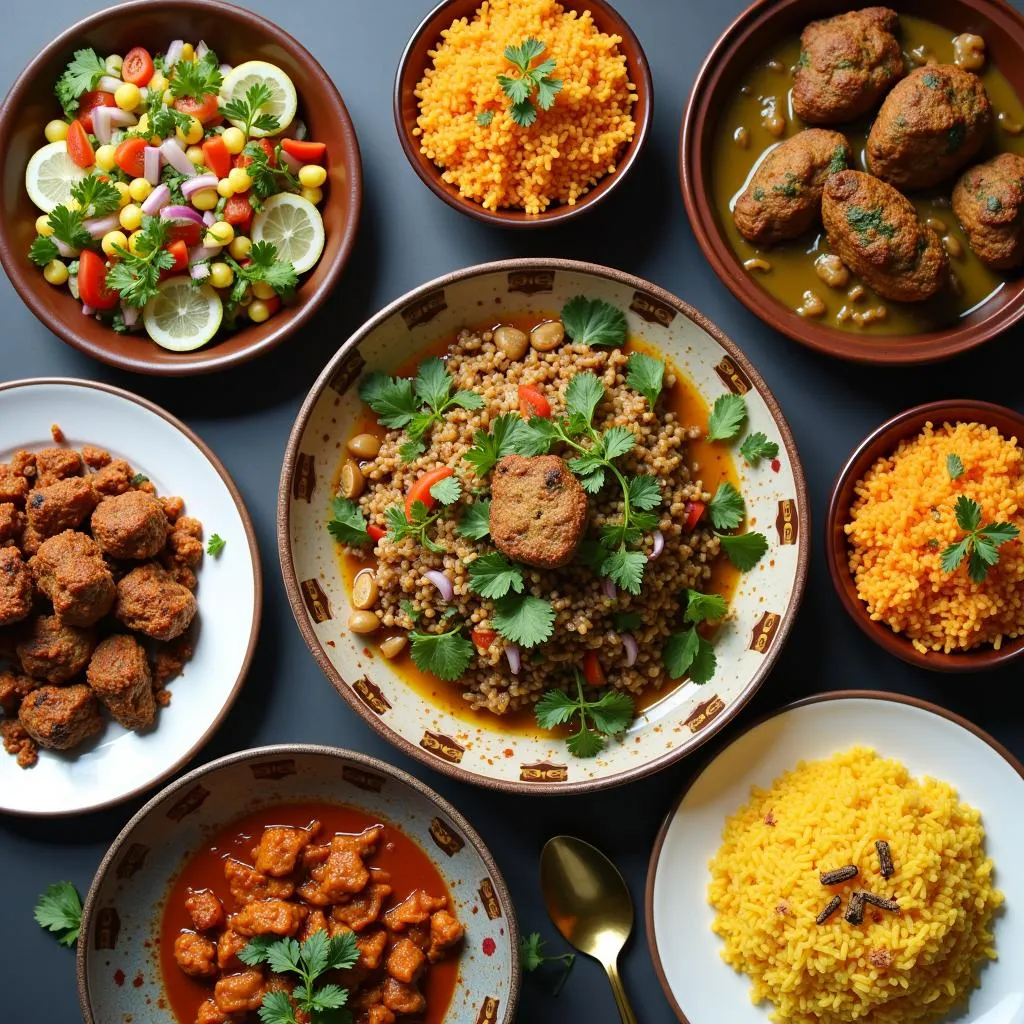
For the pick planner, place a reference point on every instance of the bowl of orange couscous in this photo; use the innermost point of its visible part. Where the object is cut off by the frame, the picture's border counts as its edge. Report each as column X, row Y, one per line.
column 925, row 537
column 522, row 112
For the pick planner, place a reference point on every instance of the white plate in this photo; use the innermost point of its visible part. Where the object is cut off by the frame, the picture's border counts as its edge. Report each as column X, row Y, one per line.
column 118, row 763
column 929, row 741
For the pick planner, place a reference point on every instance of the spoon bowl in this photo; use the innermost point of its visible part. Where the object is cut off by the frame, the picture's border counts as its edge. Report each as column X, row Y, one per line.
column 589, row 903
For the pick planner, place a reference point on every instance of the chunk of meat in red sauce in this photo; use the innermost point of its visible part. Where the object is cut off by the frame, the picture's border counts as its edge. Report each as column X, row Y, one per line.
column 211, row 1013
column 315, row 922
column 268, row 917
column 378, row 1014
column 196, row 955
column 315, row 853
column 363, row 909
column 416, row 908
column 445, row 932
column 279, row 847
column 372, row 947
column 402, row 998
column 405, row 961
column 229, row 944
column 247, row 884
column 205, row 909
column 239, row 993
column 344, row 872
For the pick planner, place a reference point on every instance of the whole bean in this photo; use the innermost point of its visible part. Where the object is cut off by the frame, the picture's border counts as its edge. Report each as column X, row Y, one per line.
column 969, row 51
column 546, row 337
column 511, row 342
column 920, row 54
column 811, row 306
column 773, row 121
column 757, row 263
column 393, row 646
column 831, row 269
column 363, row 622
column 937, row 225
column 352, row 480
column 856, row 293
column 364, row 446
column 741, row 137
column 953, row 246
column 365, row 589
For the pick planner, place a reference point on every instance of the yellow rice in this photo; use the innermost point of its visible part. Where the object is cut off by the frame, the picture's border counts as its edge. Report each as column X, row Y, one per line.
column 901, row 521
column 567, row 149
column 894, row 968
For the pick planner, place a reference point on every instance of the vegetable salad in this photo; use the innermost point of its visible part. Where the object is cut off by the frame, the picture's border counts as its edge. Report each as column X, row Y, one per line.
column 178, row 194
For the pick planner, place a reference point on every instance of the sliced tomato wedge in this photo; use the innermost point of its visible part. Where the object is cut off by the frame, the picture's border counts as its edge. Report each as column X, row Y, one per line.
column 216, row 156
column 138, row 66
column 306, row 151
column 483, row 638
column 129, row 157
column 238, row 212
column 179, row 250
column 533, row 403
column 420, row 490
column 243, row 159
column 89, row 101
column 206, row 111
column 187, row 231
column 79, row 147
column 592, row 671
column 376, row 532
column 92, row 281
column 694, row 510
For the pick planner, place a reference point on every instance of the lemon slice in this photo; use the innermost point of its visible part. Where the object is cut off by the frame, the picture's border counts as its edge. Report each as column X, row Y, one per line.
column 295, row 226
column 50, row 175
column 182, row 317
column 282, row 103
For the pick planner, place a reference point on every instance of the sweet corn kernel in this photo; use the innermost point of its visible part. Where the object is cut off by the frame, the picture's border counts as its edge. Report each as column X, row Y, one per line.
column 123, row 189
column 239, row 248
column 195, row 154
column 56, row 131
column 239, row 178
column 205, row 199
column 224, row 188
column 221, row 275
column 234, row 139
column 157, row 83
column 133, row 242
column 114, row 64
column 192, row 134
column 130, row 217
column 139, row 189
column 259, row 311
column 127, row 96
column 312, row 175
column 220, row 233
column 168, row 98
column 57, row 273
column 105, row 157
column 262, row 290
column 188, row 52
column 43, row 225
column 312, row 195
column 112, row 238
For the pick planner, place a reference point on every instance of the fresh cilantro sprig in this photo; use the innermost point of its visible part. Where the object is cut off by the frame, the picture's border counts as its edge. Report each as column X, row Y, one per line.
column 594, row 322
column 215, row 545
column 756, row 447
column 162, row 121
column 268, row 179
column 136, row 275
column 646, row 375
column 67, row 226
column 59, row 910
column 520, row 88
column 42, row 250
column 415, row 405
column 81, row 75
column 484, row 117
column 245, row 112
column 726, row 508
column 476, row 521
column 728, row 415
column 489, row 447
column 445, row 655
column 626, row 622
column 348, row 524
column 609, row 715
column 981, row 544
column 95, row 196
column 954, row 466
column 310, row 960
column 401, row 526
column 198, row 78
column 687, row 651
column 532, row 957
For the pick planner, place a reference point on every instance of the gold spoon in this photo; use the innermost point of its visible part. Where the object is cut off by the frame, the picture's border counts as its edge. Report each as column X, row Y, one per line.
column 588, row 902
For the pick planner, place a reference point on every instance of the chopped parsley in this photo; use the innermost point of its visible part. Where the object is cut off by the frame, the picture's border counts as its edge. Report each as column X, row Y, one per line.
column 609, row 715
column 981, row 544
column 646, row 375
column 484, row 117
column 728, row 415
column 445, row 655
column 865, row 221
column 410, row 609
column 593, row 322
column 520, row 88
column 59, row 910
column 756, row 447
column 838, row 162
column 197, row 78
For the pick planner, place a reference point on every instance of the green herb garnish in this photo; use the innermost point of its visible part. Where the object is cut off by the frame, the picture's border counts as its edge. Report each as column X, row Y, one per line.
column 201, row 77
column 95, row 196
column 139, row 479
column 626, row 622
column 400, row 526
column 59, row 910
column 727, row 417
column 838, row 162
column 954, row 466
column 593, row 322
column 484, row 118
column 493, row 576
column 136, row 275
column 215, row 545
column 646, row 375
column 245, row 112
column 521, row 87
column 864, row 221
column 523, row 619
column 264, row 265
column 744, row 550
column 445, row 655
column 81, row 75
column 43, row 250
column 726, row 509
column 532, row 957
column 476, row 521
column 756, row 447
column 687, row 652
column 268, row 180
column 348, row 524
column 610, row 715
column 981, row 545
column 410, row 609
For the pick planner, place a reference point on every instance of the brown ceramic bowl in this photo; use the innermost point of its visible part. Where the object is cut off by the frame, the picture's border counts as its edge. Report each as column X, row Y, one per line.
column 236, row 35
column 878, row 444
column 415, row 61
column 745, row 41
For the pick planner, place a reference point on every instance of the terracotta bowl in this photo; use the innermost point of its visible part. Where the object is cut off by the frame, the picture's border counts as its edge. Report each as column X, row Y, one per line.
column 426, row 720
column 745, row 41
column 415, row 60
column 236, row 35
column 121, row 920
column 882, row 442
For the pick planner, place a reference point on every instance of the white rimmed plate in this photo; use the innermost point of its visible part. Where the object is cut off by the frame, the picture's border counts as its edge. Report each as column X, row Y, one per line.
column 701, row 987
column 118, row 763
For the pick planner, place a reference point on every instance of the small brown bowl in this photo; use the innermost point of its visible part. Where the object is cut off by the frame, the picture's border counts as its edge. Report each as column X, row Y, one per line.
column 415, row 61
column 767, row 22
column 235, row 35
column 878, row 444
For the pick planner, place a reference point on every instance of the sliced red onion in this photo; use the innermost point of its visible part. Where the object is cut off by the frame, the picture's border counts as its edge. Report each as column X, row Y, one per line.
column 515, row 661
column 201, row 49
column 108, row 83
column 209, row 217
column 66, row 251
column 102, row 127
column 175, row 156
column 198, row 183
column 609, row 589
column 659, row 544
column 201, row 253
column 291, row 162
column 630, row 646
column 441, row 581
column 99, row 226
column 156, row 200
column 200, row 272
column 173, row 54
column 225, row 70
column 119, row 117
column 87, row 310
column 151, row 158
column 183, row 213
column 130, row 314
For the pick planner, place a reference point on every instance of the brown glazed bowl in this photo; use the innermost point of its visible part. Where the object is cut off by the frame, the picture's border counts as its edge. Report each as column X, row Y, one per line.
column 236, row 35
column 415, row 61
column 878, row 444
column 743, row 42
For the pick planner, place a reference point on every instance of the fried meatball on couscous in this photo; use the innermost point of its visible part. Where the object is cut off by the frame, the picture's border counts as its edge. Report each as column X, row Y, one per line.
column 846, row 65
column 988, row 200
column 783, row 197
column 876, row 232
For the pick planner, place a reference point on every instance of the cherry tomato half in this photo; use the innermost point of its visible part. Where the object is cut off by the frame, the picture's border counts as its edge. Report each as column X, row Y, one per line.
column 694, row 510
column 243, row 160
column 376, row 532
column 216, row 156
column 129, row 157
column 304, row 150
column 592, row 671
column 238, row 212
column 88, row 101
column 533, row 403
column 206, row 110
column 483, row 638
column 92, row 281
column 137, row 67
column 79, row 147
column 179, row 250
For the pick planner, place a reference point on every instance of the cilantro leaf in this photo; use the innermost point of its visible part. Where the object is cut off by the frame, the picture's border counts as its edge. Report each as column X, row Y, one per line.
column 702, row 607
column 968, row 514
column 276, row 1008
column 727, row 417
column 467, row 400
column 617, row 441
column 268, row 178
column 626, row 622
column 484, row 117
column 59, row 910
column 400, row 527
column 610, row 714
column 81, row 75
column 583, row 395
column 342, row 951
column 95, row 196
column 585, row 743
column 555, row 708
column 410, row 450
column 433, row 382
column 626, row 568
column 954, row 466
column 447, row 491
column 215, row 545
column 594, row 322
column 68, row 227
column 136, row 274
column 999, row 533
column 256, row 950
column 524, row 619
column 952, row 556
column 756, row 447
column 493, row 576
column 43, row 250
column 197, row 78
column 535, row 437
column 744, row 550
column 244, row 112
column 980, row 546
column 688, row 652
column 646, row 375
column 644, row 492
column 518, row 88
column 726, row 508
column 476, row 521
column 521, row 56
column 391, row 398
column 410, row 609
column 445, row 655
column 348, row 524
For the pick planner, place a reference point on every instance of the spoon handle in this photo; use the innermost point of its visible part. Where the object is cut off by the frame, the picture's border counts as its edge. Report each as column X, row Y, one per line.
column 626, row 1013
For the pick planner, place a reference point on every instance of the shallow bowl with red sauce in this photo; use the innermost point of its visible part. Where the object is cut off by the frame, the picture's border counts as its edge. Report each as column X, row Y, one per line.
column 181, row 838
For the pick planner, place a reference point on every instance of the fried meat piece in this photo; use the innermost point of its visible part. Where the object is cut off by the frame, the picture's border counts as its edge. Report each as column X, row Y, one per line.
column 12, row 522
column 405, row 961
column 279, row 848
column 149, row 601
column 119, row 674
column 344, row 873
column 445, row 932
column 18, row 743
column 69, row 569
column 205, row 909
column 14, row 688
column 416, row 908
column 196, row 955
column 62, row 505
column 16, row 589
column 14, row 487
column 364, row 908
column 988, row 200
column 54, row 651
column 239, row 993
column 130, row 525
column 401, row 998
column 247, row 884
column 60, row 717
column 113, row 478
column 53, row 464
column 267, row 917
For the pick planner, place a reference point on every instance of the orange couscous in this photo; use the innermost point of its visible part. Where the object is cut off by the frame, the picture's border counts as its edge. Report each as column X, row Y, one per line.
column 903, row 519
column 466, row 128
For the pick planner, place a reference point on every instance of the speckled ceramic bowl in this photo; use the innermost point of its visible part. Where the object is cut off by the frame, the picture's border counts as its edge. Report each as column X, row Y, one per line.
column 476, row 747
column 118, row 953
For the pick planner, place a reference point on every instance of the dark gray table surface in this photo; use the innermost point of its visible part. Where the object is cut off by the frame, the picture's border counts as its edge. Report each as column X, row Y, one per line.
column 406, row 237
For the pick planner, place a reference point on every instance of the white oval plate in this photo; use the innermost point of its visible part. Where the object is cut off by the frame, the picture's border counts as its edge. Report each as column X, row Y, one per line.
column 477, row 748
column 701, row 987
column 118, row 763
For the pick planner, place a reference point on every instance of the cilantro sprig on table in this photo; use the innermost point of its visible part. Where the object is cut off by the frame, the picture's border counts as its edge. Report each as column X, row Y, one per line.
column 197, row 78
column 59, row 910
column 533, row 957
column 981, row 544
column 415, row 405
column 608, row 715
column 532, row 87
column 81, row 75
column 310, row 960
column 245, row 110
column 687, row 651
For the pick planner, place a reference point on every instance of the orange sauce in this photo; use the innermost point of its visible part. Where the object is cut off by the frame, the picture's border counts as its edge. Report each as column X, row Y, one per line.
column 711, row 463
column 408, row 865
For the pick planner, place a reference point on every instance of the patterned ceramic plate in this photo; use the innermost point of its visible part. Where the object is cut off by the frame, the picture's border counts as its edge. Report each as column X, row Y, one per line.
column 117, row 763
column 475, row 747
column 126, row 901
column 929, row 740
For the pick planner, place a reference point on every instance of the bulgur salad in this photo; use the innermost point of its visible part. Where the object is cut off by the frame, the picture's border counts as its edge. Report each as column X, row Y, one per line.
column 539, row 537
